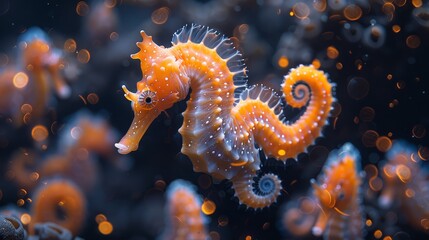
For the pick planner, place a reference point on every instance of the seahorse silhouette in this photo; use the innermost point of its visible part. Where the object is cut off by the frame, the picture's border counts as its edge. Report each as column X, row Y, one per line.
column 183, row 213
column 222, row 128
column 44, row 63
column 339, row 196
column 406, row 184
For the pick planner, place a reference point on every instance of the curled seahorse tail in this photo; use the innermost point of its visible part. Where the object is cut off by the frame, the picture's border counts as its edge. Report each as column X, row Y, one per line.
column 305, row 86
column 257, row 195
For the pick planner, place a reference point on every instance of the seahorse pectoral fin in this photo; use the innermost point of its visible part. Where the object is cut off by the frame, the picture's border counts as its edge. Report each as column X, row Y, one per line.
column 140, row 124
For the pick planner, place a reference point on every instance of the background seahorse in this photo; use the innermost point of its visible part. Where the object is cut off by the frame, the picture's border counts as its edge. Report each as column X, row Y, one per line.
column 43, row 62
column 224, row 129
column 339, row 196
column 406, row 184
column 183, row 213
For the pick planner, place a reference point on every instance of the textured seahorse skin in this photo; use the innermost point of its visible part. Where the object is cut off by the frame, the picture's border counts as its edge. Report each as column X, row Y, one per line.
column 225, row 121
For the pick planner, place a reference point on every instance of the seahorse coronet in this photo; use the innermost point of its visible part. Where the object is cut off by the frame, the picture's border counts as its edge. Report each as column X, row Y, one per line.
column 226, row 123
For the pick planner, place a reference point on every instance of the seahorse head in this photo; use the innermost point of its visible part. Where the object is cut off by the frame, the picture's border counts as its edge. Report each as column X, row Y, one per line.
column 341, row 180
column 163, row 84
column 34, row 46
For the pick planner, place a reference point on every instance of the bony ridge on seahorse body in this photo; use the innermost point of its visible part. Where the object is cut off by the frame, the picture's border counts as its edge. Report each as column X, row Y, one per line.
column 224, row 127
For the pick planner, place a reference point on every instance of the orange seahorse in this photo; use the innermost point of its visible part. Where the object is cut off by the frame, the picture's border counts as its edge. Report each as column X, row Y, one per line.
column 44, row 63
column 339, row 196
column 406, row 184
column 184, row 216
column 223, row 129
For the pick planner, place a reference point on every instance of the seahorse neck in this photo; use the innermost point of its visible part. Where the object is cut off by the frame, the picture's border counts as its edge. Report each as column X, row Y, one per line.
column 211, row 81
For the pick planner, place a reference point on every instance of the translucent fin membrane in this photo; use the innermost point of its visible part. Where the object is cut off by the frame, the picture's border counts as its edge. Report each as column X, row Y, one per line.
column 224, row 48
column 266, row 95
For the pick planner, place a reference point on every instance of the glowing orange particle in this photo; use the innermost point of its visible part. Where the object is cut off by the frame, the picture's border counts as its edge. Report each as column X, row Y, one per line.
column 114, row 36
column 419, row 131
column 105, row 228
column 409, row 193
column 389, row 77
column 400, row 3
column 110, row 3
column 248, row 237
column 367, row 114
column 223, row 221
column 214, row 235
column 396, row 28
column 70, row 45
column 352, row 12
column 26, row 108
column 92, row 98
column 25, row 218
column 388, row 8
column 368, row 222
column 339, row 66
column 320, row 5
column 22, row 192
column 83, row 56
column 425, row 223
column 281, row 152
column 400, row 85
column 423, row 153
column 387, row 238
column 100, row 218
column 82, row 8
column 20, row 80
column 413, row 41
column 383, row 143
column 34, row 176
column 160, row 16
column 20, row 202
column 417, row 3
column 316, row 63
column 160, row 184
column 283, row 62
column 39, row 133
column 301, row 10
column 243, row 28
column 378, row 234
column 332, row 52
column 403, row 172
column 369, row 138
column 208, row 207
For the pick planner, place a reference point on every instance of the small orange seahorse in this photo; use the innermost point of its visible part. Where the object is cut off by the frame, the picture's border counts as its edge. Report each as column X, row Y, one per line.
column 223, row 129
column 44, row 63
column 406, row 184
column 339, row 196
column 185, row 219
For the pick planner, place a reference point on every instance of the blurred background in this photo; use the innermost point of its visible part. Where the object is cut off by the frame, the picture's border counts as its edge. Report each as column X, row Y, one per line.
column 60, row 117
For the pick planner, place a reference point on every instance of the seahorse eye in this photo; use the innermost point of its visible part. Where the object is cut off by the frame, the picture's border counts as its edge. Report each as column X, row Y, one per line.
column 147, row 99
